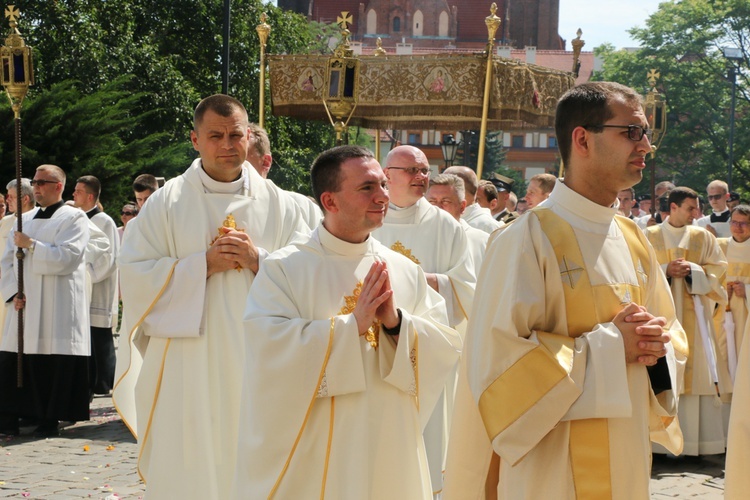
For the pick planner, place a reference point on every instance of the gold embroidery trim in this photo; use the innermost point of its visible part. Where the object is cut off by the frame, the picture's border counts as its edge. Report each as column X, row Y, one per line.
column 309, row 410
column 400, row 248
column 130, row 341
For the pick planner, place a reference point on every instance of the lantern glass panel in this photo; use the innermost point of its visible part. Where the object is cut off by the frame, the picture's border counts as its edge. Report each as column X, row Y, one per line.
column 6, row 70
column 19, row 70
column 349, row 76
column 333, row 85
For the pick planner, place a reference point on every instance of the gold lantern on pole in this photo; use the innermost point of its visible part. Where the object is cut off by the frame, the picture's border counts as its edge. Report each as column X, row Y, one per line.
column 493, row 23
column 263, row 29
column 17, row 76
column 655, row 108
column 342, row 82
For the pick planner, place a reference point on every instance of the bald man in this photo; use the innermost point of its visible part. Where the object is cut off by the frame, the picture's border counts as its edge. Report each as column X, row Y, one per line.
column 437, row 242
column 475, row 215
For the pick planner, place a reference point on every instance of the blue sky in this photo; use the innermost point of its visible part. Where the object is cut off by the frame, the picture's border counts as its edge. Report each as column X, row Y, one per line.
column 604, row 20
column 601, row 20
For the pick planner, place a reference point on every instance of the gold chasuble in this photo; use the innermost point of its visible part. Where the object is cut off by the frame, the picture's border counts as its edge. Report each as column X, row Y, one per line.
column 548, row 369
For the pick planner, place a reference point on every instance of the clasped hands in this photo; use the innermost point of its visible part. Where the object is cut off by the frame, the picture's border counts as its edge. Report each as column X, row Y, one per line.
column 643, row 334
column 375, row 300
column 232, row 250
column 678, row 268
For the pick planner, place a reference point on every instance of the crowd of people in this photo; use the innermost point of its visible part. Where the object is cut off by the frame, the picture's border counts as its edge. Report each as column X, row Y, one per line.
column 399, row 335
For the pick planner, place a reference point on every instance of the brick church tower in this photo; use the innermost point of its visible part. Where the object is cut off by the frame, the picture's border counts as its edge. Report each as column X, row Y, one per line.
column 437, row 23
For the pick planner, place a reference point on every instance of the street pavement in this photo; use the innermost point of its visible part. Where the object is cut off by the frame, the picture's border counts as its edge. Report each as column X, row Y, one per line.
column 97, row 459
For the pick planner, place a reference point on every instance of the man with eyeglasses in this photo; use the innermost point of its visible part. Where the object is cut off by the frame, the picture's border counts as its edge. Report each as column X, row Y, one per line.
column 695, row 267
column 735, row 338
column 718, row 221
column 56, row 316
column 437, row 242
column 576, row 303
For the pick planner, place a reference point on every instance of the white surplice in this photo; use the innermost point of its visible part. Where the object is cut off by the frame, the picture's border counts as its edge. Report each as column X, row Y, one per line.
column 721, row 228
column 481, row 218
column 700, row 411
column 56, row 319
column 104, row 296
column 509, row 346
column 310, row 377
column 184, row 332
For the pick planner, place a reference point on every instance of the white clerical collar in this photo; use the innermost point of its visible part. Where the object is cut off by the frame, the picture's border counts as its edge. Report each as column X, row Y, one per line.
column 239, row 186
column 669, row 227
column 339, row 246
column 578, row 205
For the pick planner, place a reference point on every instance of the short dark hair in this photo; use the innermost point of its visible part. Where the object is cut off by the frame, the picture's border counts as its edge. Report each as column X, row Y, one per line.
column 221, row 104
column 587, row 105
column 92, row 185
column 680, row 194
column 145, row 182
column 488, row 188
column 325, row 172
column 742, row 210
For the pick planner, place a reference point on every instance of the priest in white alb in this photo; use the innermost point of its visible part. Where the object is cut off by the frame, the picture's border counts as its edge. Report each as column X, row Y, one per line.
column 576, row 362
column 186, row 268
column 737, row 250
column 437, row 242
column 695, row 267
column 348, row 349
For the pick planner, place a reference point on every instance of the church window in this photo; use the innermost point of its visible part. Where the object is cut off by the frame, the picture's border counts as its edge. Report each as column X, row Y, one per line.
column 396, row 24
column 443, row 24
column 418, row 23
column 372, row 22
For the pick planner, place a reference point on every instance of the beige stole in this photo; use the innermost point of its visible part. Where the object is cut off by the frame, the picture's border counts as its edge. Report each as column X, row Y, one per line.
column 693, row 254
column 587, row 305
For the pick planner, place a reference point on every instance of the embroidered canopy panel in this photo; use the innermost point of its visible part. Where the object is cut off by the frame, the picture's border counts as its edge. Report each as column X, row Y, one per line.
column 430, row 91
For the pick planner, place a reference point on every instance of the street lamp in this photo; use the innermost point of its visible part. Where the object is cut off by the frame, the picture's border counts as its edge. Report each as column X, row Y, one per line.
column 732, row 54
column 449, row 147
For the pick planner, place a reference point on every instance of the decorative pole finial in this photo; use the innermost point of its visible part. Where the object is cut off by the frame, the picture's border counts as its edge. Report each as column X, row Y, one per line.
column 263, row 29
column 493, row 23
column 379, row 51
column 652, row 76
column 577, row 44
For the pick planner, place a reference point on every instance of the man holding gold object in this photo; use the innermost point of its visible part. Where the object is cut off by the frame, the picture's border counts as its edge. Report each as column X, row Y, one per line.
column 186, row 268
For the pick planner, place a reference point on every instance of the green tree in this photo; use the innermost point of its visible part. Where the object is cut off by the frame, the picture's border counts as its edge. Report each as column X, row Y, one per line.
column 683, row 40
column 164, row 55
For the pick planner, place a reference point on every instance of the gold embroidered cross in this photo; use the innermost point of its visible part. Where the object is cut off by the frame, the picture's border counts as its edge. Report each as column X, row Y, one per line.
column 571, row 274
column 642, row 273
column 372, row 335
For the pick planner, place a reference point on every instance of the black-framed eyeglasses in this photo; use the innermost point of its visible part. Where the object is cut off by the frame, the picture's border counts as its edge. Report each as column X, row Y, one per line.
column 413, row 170
column 635, row 132
column 42, row 182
